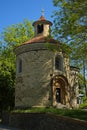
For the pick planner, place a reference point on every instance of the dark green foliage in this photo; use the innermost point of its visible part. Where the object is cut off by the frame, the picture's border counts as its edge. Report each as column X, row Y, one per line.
column 84, row 105
column 10, row 37
column 7, row 81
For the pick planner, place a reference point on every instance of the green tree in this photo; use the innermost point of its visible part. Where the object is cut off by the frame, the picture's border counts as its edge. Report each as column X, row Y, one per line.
column 70, row 19
column 70, row 26
column 7, row 82
column 11, row 37
column 17, row 34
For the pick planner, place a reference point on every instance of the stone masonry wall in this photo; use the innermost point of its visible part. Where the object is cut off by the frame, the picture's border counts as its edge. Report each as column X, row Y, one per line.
column 33, row 83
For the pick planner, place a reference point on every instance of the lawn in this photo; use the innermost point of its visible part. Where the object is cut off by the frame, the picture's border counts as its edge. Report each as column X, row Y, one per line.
column 74, row 113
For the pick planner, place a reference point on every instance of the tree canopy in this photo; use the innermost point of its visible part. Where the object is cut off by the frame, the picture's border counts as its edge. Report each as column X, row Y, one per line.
column 70, row 19
column 70, row 26
column 11, row 37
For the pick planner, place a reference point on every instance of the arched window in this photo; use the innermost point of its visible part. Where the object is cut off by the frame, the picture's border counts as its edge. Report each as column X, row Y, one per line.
column 39, row 28
column 58, row 63
column 19, row 66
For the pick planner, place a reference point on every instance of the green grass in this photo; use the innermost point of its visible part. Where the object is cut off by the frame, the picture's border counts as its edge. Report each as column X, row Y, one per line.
column 84, row 105
column 78, row 113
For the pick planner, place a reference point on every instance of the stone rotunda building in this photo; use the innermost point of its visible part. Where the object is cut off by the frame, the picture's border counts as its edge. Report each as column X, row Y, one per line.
column 44, row 78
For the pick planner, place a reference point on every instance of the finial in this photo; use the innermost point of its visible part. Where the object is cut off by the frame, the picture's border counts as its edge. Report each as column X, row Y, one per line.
column 42, row 12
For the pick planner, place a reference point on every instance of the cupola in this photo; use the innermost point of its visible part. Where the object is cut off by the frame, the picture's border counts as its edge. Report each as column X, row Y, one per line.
column 42, row 26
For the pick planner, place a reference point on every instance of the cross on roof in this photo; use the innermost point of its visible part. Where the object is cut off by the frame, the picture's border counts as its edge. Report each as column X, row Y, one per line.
column 42, row 12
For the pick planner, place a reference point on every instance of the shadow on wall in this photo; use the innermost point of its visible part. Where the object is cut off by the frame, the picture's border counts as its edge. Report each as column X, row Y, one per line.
column 37, row 92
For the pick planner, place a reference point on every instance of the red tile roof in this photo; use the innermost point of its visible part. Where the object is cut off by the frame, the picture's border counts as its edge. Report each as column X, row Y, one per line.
column 41, row 39
column 42, row 20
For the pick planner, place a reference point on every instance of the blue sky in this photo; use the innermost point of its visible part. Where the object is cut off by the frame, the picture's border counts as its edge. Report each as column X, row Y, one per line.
column 14, row 11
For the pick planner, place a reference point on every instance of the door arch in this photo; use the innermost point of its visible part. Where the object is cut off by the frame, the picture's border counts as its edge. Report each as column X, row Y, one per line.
column 60, row 89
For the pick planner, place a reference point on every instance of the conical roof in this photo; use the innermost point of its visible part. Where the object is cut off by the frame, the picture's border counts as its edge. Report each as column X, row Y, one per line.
column 42, row 19
column 41, row 39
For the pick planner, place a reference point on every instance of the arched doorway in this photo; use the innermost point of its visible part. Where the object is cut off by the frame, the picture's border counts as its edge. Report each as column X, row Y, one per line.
column 58, row 95
column 60, row 90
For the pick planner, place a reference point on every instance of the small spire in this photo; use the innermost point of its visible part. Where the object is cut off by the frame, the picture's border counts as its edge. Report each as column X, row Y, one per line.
column 42, row 12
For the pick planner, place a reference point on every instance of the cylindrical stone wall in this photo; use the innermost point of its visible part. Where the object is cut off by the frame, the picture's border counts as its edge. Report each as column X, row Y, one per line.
column 33, row 83
column 35, row 71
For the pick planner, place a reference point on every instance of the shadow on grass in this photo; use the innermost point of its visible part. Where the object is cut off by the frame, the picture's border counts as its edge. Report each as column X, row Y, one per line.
column 78, row 113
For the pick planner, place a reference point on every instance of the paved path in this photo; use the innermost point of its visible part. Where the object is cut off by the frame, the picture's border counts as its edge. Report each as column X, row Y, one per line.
column 2, row 127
